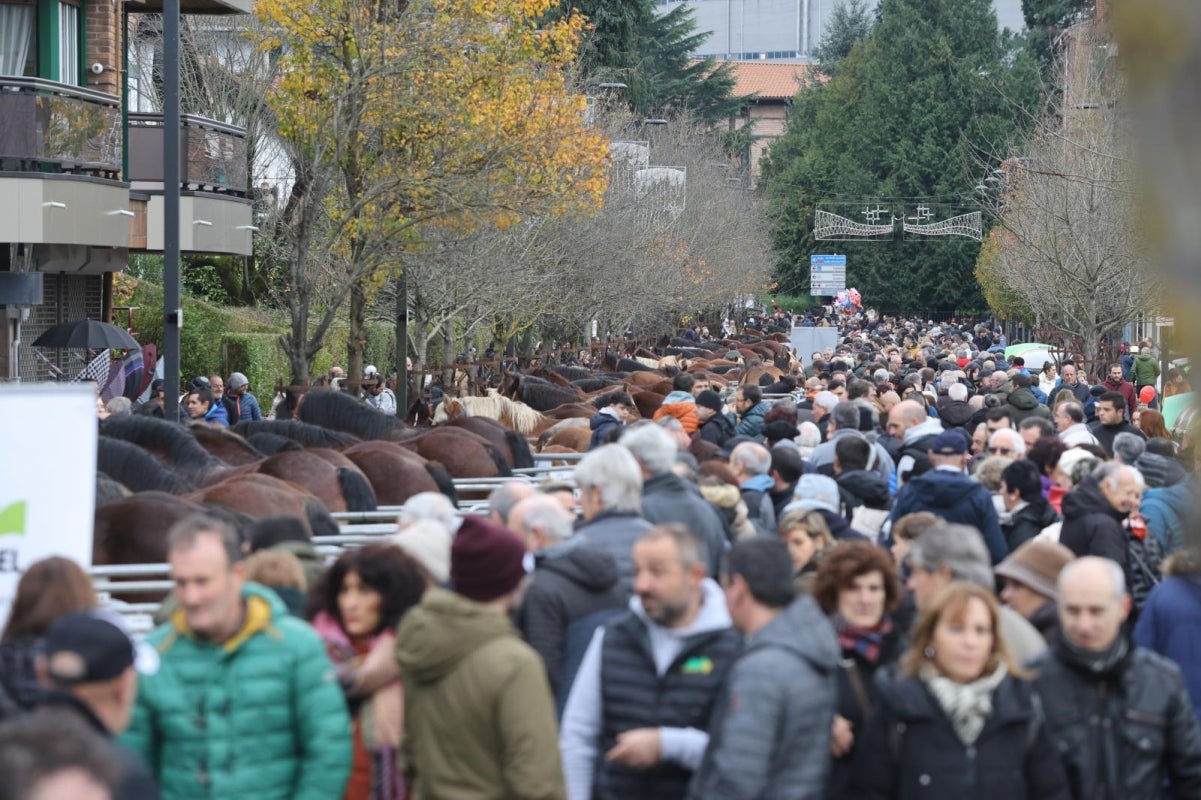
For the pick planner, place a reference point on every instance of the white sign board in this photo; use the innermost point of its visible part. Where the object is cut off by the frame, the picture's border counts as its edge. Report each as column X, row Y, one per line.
column 807, row 341
column 47, row 478
column 827, row 274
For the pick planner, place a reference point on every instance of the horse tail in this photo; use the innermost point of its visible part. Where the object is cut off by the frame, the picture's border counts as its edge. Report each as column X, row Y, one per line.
column 320, row 520
column 522, row 457
column 356, row 491
column 446, row 484
column 503, row 469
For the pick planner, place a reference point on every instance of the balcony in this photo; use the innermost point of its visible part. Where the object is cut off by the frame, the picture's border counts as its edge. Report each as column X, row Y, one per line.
column 212, row 155
column 214, row 210
column 57, row 128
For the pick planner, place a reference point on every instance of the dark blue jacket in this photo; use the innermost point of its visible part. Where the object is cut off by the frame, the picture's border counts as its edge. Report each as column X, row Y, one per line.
column 956, row 498
column 1170, row 624
column 601, row 424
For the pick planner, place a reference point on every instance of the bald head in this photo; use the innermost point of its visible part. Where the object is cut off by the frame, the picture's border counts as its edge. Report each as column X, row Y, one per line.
column 1093, row 602
column 905, row 415
column 541, row 521
column 504, row 497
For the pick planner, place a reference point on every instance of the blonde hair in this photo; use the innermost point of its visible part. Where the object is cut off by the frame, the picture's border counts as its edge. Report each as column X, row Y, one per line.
column 813, row 523
column 952, row 602
column 277, row 568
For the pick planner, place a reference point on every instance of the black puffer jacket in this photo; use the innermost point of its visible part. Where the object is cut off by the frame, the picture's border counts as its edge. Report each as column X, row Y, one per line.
column 667, row 498
column 862, row 488
column 955, row 414
column 1091, row 526
column 18, row 680
column 571, row 581
column 1022, row 404
column 1028, row 523
column 1120, row 721
column 717, row 429
column 910, row 751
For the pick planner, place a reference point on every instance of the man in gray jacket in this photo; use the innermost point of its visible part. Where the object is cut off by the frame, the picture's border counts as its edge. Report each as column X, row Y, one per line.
column 782, row 682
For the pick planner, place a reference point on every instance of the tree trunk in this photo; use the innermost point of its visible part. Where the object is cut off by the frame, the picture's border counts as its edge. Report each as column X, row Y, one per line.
column 356, row 340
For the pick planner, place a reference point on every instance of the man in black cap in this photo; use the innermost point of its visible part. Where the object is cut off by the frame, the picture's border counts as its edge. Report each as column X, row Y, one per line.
column 715, row 426
column 947, row 491
column 90, row 670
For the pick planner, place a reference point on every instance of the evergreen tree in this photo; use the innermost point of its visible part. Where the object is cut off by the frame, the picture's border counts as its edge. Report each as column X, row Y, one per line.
column 652, row 54
column 908, row 117
column 1046, row 19
column 849, row 23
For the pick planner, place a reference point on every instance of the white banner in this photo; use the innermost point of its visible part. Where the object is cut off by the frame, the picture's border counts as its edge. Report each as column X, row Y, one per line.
column 47, row 478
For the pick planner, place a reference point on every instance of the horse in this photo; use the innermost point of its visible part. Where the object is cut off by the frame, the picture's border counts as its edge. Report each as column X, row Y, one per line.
column 396, row 473
column 463, row 453
column 538, row 396
column 257, row 495
column 305, row 434
column 171, row 443
column 341, row 487
column 226, row 445
column 270, row 443
column 576, row 439
column 135, row 469
column 514, row 415
column 341, row 412
column 513, row 445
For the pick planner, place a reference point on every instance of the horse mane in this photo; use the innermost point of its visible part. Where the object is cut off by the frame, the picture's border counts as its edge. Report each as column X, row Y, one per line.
column 341, row 412
column 272, row 443
column 157, row 435
column 108, row 490
column 135, row 469
column 307, row 435
column 571, row 373
column 545, row 395
column 511, row 413
column 213, row 434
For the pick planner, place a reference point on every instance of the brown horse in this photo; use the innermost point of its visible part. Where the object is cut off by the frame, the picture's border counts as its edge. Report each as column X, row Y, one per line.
column 341, row 488
column 396, row 473
column 574, row 439
column 463, row 453
column 225, row 444
column 512, row 444
column 260, row 496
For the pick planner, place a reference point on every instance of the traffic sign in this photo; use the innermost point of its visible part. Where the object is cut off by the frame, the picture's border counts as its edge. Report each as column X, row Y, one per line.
column 827, row 274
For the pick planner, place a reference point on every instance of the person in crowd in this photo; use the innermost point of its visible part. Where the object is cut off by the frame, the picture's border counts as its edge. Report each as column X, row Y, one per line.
column 1157, row 471
column 1070, row 379
column 865, row 495
column 575, row 587
column 844, row 424
column 1170, row 623
column 49, row 588
column 751, row 408
column 680, row 403
column 750, row 463
column 1069, row 420
column 914, row 430
column 1151, row 424
column 715, row 426
column 118, row 405
column 1119, row 715
column 1115, row 383
column 240, row 404
column 821, row 494
column 666, row 497
column 1029, row 574
column 636, row 717
column 282, row 573
column 952, row 552
column 1027, row 512
column 787, row 467
column 1095, row 511
column 1032, row 429
column 808, row 540
column 782, row 681
column 1006, row 443
column 504, row 497
column 958, row 720
column 858, row 590
column 610, row 482
column 355, row 610
column 1022, row 402
column 89, row 671
column 1175, row 383
column 1048, row 377
column 50, row 756
column 379, row 396
column 201, row 406
column 615, row 410
column 1111, row 420
column 1145, row 369
column 948, row 492
column 194, row 722
column 479, row 714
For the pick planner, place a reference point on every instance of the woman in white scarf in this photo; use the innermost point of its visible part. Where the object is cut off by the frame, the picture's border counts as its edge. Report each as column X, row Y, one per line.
column 958, row 720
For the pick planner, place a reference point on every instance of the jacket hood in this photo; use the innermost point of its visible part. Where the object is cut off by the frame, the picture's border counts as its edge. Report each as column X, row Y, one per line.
column 956, row 414
column 594, row 570
column 760, row 409
column 713, row 615
column 941, row 487
column 601, row 418
column 263, row 606
column 1023, row 399
column 679, row 397
column 869, row 487
column 1144, row 358
column 931, row 426
column 1086, row 499
column 804, row 630
column 1179, row 497
column 441, row 631
column 723, row 495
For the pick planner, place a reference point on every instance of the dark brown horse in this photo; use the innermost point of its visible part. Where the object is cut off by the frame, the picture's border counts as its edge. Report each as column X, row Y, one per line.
column 512, row 444
column 259, row 496
column 397, row 473
column 225, row 444
column 463, row 453
column 341, row 487
column 170, row 443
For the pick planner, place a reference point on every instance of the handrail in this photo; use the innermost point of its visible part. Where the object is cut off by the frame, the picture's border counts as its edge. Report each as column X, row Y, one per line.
column 8, row 82
column 212, row 154
column 49, row 124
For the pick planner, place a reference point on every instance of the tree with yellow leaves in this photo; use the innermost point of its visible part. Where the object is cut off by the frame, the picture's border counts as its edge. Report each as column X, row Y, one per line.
column 398, row 116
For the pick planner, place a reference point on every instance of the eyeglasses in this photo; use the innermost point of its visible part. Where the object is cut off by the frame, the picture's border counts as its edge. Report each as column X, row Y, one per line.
column 1001, row 451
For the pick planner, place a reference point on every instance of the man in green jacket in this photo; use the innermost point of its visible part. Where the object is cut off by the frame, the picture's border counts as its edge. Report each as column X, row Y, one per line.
column 479, row 716
column 245, row 703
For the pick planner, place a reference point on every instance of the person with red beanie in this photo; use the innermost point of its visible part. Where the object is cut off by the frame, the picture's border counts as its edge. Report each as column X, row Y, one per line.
column 479, row 715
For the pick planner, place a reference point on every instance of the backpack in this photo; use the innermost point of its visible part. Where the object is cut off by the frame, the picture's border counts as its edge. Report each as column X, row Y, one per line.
column 1144, row 557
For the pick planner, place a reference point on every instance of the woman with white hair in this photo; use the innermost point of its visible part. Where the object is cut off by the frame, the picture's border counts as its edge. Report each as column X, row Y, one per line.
column 808, row 439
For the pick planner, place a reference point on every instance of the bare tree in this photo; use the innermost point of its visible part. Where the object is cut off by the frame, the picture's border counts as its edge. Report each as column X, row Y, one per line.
column 1069, row 249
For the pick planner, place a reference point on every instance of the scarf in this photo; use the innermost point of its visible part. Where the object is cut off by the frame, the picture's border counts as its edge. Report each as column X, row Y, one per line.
column 866, row 643
column 1094, row 662
column 967, row 705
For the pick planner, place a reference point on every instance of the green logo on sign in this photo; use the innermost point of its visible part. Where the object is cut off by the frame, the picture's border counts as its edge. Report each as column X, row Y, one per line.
column 12, row 519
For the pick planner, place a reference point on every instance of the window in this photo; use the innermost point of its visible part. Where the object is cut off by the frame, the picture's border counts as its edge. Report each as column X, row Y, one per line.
column 68, row 44
column 18, row 39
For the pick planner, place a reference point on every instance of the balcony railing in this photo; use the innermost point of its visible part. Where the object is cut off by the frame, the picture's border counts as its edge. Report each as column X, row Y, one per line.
column 49, row 126
column 212, row 155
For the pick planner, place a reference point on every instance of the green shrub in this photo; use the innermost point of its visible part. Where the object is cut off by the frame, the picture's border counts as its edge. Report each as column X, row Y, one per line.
column 796, row 303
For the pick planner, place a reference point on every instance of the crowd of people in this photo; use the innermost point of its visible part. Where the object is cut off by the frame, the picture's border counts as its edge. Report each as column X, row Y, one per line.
column 921, row 575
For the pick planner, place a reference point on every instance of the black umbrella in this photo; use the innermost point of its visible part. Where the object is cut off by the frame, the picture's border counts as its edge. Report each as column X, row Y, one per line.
column 90, row 334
